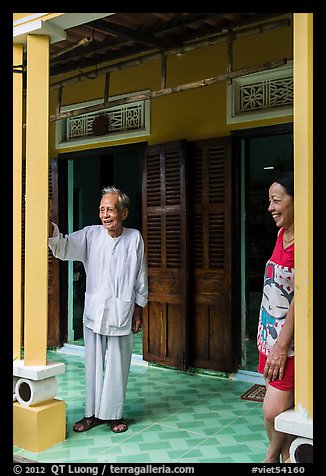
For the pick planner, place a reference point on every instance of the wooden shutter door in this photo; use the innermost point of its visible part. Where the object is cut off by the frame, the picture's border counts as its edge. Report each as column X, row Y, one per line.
column 165, row 236
column 210, row 254
column 57, row 269
column 23, row 249
column 53, row 264
column 53, row 338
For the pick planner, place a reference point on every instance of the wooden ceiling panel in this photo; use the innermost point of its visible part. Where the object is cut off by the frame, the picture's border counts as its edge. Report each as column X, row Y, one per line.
column 123, row 34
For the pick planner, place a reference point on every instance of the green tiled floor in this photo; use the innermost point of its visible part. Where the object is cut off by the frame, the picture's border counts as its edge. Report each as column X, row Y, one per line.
column 173, row 416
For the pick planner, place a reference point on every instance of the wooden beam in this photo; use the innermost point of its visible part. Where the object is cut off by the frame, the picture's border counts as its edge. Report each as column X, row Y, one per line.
column 83, row 42
column 229, row 68
column 58, row 108
column 107, row 87
column 163, row 73
column 134, row 35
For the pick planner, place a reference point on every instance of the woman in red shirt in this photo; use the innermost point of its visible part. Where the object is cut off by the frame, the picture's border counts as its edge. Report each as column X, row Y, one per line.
column 276, row 319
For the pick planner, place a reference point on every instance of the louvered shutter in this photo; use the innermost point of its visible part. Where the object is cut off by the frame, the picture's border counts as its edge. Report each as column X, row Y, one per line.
column 166, row 241
column 210, row 254
column 53, row 265
column 53, row 339
column 23, row 248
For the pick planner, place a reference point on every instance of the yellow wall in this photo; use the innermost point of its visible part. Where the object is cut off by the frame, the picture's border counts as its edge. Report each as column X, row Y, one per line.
column 195, row 114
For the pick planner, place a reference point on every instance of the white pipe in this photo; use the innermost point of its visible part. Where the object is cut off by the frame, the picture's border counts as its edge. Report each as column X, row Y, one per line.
column 31, row 392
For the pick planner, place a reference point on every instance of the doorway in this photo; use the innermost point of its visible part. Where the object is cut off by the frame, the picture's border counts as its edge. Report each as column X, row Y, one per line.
column 264, row 152
column 264, row 155
column 88, row 173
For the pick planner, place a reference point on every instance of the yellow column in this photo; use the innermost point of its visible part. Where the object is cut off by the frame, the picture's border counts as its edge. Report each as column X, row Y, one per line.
column 36, row 427
column 36, row 237
column 303, row 182
column 17, row 200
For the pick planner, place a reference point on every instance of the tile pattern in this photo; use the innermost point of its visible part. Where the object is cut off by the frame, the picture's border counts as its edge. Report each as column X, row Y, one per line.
column 173, row 416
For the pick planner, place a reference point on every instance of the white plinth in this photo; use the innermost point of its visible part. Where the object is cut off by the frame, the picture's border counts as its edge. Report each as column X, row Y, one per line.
column 37, row 372
column 293, row 423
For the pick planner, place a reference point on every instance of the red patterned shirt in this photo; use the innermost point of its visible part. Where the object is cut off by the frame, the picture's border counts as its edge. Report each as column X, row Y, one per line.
column 278, row 293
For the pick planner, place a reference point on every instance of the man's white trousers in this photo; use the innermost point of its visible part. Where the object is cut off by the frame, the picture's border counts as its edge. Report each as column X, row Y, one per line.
column 107, row 364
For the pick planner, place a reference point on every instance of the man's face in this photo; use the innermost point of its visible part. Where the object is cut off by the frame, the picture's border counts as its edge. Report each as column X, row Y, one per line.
column 111, row 215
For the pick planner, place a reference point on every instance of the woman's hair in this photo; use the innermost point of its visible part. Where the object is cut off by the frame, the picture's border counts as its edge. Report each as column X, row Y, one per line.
column 123, row 199
column 286, row 180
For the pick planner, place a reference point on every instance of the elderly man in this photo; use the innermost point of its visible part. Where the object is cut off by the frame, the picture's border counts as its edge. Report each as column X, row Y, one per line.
column 116, row 290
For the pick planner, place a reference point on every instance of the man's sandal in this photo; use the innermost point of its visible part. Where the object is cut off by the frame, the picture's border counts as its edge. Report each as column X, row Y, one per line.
column 115, row 424
column 87, row 423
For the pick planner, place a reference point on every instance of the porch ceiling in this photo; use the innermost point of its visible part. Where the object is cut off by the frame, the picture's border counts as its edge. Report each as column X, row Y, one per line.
column 122, row 35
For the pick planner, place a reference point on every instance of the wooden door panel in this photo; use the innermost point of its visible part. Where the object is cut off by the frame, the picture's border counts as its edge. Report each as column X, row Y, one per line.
column 188, row 317
column 208, row 335
column 218, row 335
column 208, row 285
column 166, row 284
column 175, row 332
column 57, row 270
column 165, row 237
column 154, row 329
column 53, row 325
column 210, row 255
column 53, row 264
column 166, row 332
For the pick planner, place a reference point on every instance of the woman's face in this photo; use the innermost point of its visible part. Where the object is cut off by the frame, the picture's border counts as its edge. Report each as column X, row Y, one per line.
column 281, row 206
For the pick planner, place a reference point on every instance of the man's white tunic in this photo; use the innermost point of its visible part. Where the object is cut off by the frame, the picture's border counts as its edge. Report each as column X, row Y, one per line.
column 116, row 275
